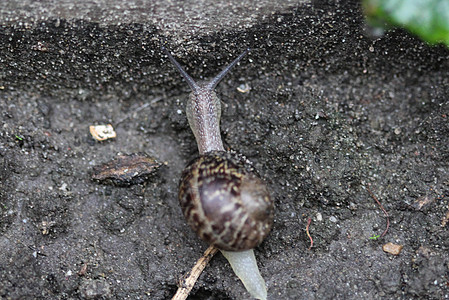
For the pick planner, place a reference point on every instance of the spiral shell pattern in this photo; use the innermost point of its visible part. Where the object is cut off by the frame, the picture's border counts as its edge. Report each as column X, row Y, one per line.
column 225, row 202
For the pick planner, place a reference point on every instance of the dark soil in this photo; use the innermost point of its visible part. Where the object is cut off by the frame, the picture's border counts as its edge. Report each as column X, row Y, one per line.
column 331, row 111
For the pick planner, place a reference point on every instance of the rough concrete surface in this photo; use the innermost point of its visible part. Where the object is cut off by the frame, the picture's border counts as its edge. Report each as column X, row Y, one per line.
column 329, row 114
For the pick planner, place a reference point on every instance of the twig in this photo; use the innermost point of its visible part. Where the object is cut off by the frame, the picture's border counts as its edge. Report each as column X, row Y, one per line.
column 308, row 234
column 383, row 209
column 187, row 284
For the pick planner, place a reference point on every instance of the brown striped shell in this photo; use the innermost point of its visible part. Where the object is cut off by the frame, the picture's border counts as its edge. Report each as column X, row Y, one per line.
column 225, row 202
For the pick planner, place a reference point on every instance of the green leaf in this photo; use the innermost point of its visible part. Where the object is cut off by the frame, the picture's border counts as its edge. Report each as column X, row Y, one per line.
column 429, row 19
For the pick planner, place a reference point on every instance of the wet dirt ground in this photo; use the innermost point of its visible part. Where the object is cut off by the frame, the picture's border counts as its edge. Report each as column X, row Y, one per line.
column 324, row 110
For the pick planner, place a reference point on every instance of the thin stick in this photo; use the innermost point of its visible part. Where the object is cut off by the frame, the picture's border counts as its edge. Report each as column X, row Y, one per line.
column 308, row 234
column 187, row 284
column 383, row 209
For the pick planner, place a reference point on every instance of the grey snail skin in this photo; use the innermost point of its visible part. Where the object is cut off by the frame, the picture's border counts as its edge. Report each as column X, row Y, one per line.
column 221, row 196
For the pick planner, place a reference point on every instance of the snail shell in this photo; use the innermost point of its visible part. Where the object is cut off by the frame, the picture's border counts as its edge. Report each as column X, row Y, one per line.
column 225, row 202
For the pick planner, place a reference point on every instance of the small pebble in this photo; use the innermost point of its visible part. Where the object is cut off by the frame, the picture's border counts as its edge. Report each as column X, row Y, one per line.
column 102, row 132
column 244, row 88
column 392, row 248
column 95, row 289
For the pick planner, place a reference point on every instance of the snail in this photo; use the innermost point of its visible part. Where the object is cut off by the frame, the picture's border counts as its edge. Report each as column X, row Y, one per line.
column 221, row 196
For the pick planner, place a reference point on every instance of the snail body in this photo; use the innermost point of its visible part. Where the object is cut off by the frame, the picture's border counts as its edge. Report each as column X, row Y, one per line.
column 221, row 196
